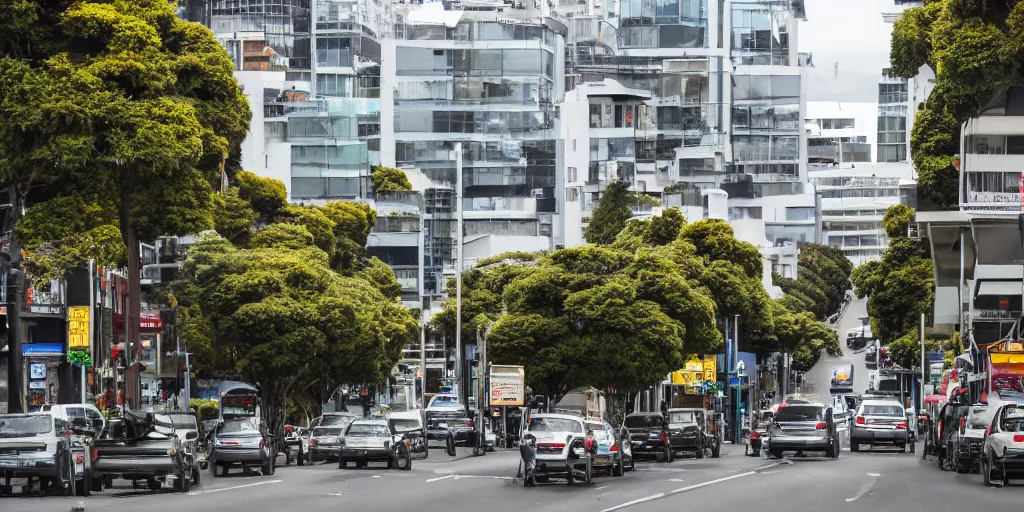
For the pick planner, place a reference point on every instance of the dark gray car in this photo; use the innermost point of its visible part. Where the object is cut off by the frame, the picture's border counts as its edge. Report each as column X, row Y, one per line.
column 803, row 428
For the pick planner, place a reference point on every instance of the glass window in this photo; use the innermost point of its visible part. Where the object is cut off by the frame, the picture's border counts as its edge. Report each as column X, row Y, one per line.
column 987, row 144
column 542, row 424
column 883, row 410
column 799, row 413
column 521, row 62
column 367, row 430
column 643, row 421
column 799, row 213
column 1015, row 145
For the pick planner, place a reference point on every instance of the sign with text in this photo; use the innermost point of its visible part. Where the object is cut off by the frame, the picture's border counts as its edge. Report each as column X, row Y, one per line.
column 78, row 328
column 508, row 386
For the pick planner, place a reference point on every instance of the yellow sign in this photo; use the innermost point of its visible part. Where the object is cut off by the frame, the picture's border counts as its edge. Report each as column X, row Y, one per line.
column 695, row 372
column 78, row 328
column 1006, row 358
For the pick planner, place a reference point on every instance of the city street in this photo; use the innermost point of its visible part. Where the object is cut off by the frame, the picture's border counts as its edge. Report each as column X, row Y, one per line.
column 819, row 378
column 863, row 481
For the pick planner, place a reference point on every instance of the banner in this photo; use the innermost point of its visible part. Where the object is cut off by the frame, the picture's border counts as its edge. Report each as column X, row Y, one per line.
column 78, row 328
column 695, row 372
column 508, row 386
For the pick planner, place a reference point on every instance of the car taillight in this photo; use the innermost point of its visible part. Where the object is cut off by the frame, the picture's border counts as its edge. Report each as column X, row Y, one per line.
column 79, row 459
column 663, row 436
column 615, row 448
column 821, row 426
column 755, row 435
column 469, row 423
column 262, row 443
column 1018, row 439
column 408, row 443
column 988, row 430
column 901, row 425
column 313, row 442
column 861, row 420
column 69, row 432
column 963, row 423
column 172, row 452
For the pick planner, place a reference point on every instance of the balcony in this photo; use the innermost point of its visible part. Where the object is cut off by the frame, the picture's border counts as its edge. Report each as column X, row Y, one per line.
column 992, row 201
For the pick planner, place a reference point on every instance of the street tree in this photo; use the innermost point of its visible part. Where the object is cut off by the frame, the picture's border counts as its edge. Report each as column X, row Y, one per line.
column 124, row 103
column 610, row 215
column 900, row 286
column 975, row 50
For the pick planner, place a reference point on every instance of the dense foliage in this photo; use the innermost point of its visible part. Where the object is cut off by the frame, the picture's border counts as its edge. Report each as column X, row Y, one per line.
column 296, row 309
column 623, row 315
column 822, row 280
column 975, row 48
column 611, row 214
column 389, row 179
column 900, row 286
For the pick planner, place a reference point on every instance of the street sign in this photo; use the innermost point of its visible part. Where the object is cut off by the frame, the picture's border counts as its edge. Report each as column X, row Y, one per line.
column 936, row 356
column 78, row 328
column 508, row 385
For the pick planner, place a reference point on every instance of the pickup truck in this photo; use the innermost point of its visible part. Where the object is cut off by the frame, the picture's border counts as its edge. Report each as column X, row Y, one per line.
column 134, row 448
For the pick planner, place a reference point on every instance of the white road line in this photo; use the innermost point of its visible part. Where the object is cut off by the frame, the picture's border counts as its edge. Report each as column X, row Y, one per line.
column 440, row 478
column 675, row 480
column 635, row 502
column 713, row 482
column 211, row 491
column 874, row 474
column 602, row 487
column 864, row 490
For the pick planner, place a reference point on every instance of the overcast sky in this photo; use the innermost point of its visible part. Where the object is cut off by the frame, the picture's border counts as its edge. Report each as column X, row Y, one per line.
column 852, row 34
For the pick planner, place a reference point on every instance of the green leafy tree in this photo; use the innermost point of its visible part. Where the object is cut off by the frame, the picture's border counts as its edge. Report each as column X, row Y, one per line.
column 823, row 278
column 610, row 215
column 900, row 286
column 975, row 49
column 124, row 103
column 266, row 196
column 389, row 179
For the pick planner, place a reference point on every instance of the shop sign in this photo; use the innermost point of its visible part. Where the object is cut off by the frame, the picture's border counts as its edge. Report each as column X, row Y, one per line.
column 508, row 386
column 78, row 328
column 42, row 349
column 151, row 322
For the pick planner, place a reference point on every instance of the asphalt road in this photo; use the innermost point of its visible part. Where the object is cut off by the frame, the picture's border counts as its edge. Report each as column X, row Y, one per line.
column 819, row 378
column 876, row 481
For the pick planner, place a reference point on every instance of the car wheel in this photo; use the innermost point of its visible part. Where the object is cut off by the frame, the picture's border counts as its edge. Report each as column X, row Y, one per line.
column 855, row 447
column 405, row 460
column 196, row 474
column 449, row 446
column 97, row 483
column 83, row 487
column 618, row 467
column 775, row 453
column 570, row 476
column 153, row 484
column 716, row 450
column 301, row 459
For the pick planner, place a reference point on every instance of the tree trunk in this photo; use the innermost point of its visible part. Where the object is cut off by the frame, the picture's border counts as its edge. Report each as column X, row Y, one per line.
column 15, row 291
column 133, row 313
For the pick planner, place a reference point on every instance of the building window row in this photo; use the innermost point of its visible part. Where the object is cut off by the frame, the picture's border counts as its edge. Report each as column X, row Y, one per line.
column 411, row 61
column 995, row 144
column 428, row 121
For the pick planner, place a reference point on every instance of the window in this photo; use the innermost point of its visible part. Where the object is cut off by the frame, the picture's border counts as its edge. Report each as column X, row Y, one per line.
column 571, row 171
column 572, row 194
column 799, row 213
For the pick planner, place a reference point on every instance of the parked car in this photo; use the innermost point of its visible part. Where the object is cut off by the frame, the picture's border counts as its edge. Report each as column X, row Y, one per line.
column 648, row 435
column 945, row 431
column 1003, row 451
column 374, row 440
column 185, row 425
column 328, row 419
column 133, row 448
column 559, row 442
column 325, row 444
column 842, row 379
column 41, row 446
column 880, row 422
column 241, row 438
column 759, row 434
column 410, row 423
column 439, row 435
column 970, row 437
column 804, row 427
column 85, row 414
column 688, row 432
column 490, row 438
column 613, row 456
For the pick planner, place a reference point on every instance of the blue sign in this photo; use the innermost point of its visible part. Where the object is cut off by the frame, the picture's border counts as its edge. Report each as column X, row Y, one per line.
column 936, row 357
column 29, row 349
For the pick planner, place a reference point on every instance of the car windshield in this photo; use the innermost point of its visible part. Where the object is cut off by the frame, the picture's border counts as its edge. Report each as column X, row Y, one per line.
column 237, row 426
column 404, row 425
column 979, row 417
column 1012, row 420
column 799, row 413
column 235, row 406
column 682, row 417
column 23, row 425
column 643, row 421
column 555, row 425
column 341, row 421
column 326, row 431
column 186, row 421
column 884, row 410
column 367, row 430
column 445, row 401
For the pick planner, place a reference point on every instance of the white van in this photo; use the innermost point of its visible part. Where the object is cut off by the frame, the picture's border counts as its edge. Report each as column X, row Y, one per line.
column 69, row 412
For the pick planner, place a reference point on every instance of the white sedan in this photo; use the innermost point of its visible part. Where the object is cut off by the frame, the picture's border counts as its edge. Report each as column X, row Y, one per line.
column 1003, row 452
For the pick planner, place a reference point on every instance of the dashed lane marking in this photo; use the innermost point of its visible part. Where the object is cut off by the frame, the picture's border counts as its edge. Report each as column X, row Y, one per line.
column 690, row 488
column 221, row 489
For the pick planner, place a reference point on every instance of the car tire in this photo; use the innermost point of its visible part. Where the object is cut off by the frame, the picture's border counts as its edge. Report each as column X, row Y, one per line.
column 854, row 446
column 570, row 477
column 153, row 484
column 618, row 467
column 97, row 483
column 716, row 450
column 449, row 446
column 903, row 448
column 83, row 487
column 301, row 459
column 775, row 453
column 196, row 475
column 405, row 460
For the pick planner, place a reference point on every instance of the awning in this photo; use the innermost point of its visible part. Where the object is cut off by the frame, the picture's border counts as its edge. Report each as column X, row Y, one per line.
column 999, row 288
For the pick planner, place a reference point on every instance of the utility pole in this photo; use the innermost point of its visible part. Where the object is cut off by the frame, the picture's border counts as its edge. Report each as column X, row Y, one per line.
column 458, row 276
column 924, row 367
column 13, row 289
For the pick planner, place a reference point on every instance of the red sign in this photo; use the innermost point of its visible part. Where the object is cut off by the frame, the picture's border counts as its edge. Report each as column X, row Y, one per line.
column 151, row 322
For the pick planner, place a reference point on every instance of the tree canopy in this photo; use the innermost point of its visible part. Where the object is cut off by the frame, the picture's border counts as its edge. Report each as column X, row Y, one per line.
column 389, row 179
column 900, row 286
column 610, row 215
column 975, row 50
column 283, row 310
column 822, row 280
column 625, row 314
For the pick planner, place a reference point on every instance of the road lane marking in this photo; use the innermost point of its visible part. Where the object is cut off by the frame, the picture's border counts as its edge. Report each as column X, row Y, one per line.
column 602, row 487
column 675, row 479
column 864, row 490
column 712, row 482
column 211, row 491
column 635, row 502
column 440, row 478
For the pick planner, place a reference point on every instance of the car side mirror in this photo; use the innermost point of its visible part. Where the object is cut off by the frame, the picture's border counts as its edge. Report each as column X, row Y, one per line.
column 192, row 435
